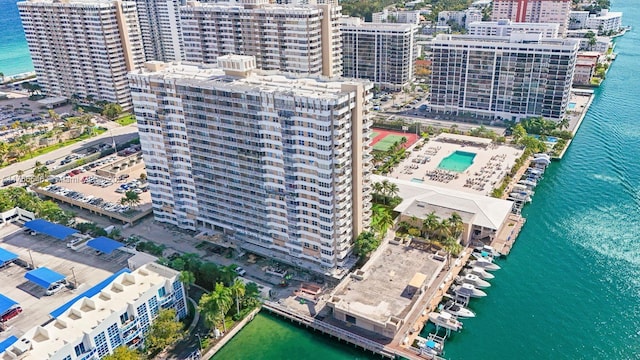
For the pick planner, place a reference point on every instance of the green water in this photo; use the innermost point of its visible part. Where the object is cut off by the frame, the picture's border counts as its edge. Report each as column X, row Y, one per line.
column 268, row 337
column 570, row 288
column 459, row 161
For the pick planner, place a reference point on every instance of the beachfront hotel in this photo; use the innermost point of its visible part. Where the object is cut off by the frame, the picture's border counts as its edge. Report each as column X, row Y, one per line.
column 116, row 312
column 505, row 27
column 382, row 53
column 508, row 78
column 296, row 39
column 83, row 47
column 277, row 163
column 534, row 11
column 161, row 30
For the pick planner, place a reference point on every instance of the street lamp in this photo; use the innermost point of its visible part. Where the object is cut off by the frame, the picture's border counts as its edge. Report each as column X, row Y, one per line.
column 75, row 283
column 33, row 265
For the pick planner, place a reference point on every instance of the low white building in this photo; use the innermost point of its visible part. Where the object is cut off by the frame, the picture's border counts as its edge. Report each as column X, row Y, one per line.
column 505, row 27
column 109, row 315
column 396, row 16
column 601, row 45
column 462, row 18
column 603, row 22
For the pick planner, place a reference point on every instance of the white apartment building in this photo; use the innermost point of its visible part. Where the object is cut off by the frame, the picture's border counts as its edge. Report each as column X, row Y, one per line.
column 161, row 30
column 462, row 18
column 396, row 16
column 83, row 47
column 603, row 22
column 602, row 43
column 303, row 40
column 511, row 78
column 534, row 11
column 279, row 164
column 505, row 27
column 118, row 314
column 382, row 53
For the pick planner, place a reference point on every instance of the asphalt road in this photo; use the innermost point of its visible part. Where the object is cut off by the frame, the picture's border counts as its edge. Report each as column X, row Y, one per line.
column 120, row 134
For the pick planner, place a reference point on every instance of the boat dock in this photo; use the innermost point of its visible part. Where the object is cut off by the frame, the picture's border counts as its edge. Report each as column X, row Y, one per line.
column 504, row 240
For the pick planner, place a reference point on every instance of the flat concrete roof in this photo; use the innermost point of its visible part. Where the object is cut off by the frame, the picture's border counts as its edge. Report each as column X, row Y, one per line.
column 88, row 268
column 385, row 291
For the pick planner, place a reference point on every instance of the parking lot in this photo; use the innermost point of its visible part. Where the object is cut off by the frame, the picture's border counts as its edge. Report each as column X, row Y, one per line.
column 88, row 268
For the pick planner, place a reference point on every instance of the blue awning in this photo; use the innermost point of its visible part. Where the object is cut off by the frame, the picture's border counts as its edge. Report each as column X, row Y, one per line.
column 104, row 244
column 6, row 343
column 57, row 231
column 89, row 293
column 6, row 256
column 44, row 277
column 6, row 304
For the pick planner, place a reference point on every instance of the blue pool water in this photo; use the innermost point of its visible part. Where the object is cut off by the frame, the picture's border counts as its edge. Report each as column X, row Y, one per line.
column 459, row 161
column 571, row 106
column 551, row 139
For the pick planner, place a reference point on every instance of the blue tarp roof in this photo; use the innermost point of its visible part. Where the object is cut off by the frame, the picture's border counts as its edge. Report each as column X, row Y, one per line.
column 44, row 277
column 104, row 244
column 4, row 345
column 57, row 231
column 6, row 304
column 6, row 256
column 89, row 293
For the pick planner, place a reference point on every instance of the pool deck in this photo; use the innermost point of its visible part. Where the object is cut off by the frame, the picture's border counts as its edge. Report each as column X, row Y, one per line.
column 489, row 166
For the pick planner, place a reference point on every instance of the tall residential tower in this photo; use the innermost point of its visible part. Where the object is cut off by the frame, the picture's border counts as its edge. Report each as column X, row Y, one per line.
column 84, row 47
column 279, row 164
column 161, row 29
column 534, row 11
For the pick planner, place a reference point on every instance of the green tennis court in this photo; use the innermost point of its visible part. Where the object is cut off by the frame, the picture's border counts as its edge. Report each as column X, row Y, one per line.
column 387, row 142
column 374, row 135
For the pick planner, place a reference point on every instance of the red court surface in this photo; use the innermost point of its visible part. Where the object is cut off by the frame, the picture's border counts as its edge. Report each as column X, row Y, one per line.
column 411, row 138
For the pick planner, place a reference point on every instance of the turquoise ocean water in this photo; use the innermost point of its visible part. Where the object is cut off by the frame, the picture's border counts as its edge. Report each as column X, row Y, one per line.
column 14, row 52
column 571, row 287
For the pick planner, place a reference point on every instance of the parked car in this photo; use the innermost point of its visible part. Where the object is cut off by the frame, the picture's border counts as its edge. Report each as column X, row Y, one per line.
column 240, row 271
column 11, row 314
column 54, row 288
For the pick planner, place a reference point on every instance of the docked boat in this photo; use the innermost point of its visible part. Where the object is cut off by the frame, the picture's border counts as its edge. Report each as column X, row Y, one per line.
column 489, row 250
column 522, row 196
column 468, row 290
column 485, row 263
column 445, row 320
column 458, row 310
column 481, row 273
column 430, row 347
column 474, row 280
column 528, row 182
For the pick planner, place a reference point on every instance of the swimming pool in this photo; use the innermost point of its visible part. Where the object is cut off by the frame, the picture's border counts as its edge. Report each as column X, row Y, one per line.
column 550, row 139
column 459, row 161
column 571, row 106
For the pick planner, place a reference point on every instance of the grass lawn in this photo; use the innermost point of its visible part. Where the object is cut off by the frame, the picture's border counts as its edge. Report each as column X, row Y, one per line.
column 50, row 148
column 126, row 120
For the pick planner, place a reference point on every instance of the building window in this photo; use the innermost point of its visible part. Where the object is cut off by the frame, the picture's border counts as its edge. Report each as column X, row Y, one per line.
column 350, row 319
column 123, row 318
column 79, row 349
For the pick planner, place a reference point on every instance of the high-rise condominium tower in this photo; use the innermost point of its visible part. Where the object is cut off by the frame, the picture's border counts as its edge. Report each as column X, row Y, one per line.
column 534, row 11
column 280, row 165
column 161, row 29
column 514, row 77
column 304, row 40
column 83, row 47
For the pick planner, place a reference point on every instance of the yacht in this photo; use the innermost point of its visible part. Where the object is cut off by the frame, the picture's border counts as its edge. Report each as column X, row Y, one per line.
column 445, row 320
column 523, row 196
column 456, row 309
column 482, row 273
column 486, row 250
column 429, row 347
column 485, row 263
column 468, row 290
column 473, row 280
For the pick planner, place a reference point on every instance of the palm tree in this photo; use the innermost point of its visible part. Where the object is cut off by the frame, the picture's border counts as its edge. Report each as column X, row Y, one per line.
column 187, row 278
column 456, row 224
column 443, row 229
column 563, row 124
column 392, row 190
column 386, row 184
column 215, row 304
column 238, row 291
column 430, row 223
column 130, row 198
column 378, row 188
column 41, row 172
column 381, row 219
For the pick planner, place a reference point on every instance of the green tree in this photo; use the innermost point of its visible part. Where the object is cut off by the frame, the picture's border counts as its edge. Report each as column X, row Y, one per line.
column 187, row 278
column 130, row 198
column 365, row 244
column 215, row 305
column 111, row 111
column 563, row 124
column 238, row 290
column 166, row 330
column 456, row 224
column 41, row 172
column 381, row 219
column 124, row 353
column 518, row 132
column 430, row 223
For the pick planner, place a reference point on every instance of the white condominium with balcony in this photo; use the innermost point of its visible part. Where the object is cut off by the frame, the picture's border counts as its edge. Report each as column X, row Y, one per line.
column 279, row 164
column 534, row 11
column 511, row 78
column 382, row 53
column 505, row 27
column 116, row 313
column 303, row 40
column 83, row 47
column 161, row 30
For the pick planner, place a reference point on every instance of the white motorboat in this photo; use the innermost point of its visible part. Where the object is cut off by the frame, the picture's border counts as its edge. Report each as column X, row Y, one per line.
column 489, row 250
column 482, row 273
column 530, row 183
column 475, row 281
column 542, row 156
column 523, row 196
column 445, row 320
column 429, row 347
column 485, row 263
column 456, row 309
column 468, row 290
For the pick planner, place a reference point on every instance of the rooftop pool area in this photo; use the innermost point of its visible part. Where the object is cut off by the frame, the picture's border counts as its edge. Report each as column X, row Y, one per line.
column 459, row 161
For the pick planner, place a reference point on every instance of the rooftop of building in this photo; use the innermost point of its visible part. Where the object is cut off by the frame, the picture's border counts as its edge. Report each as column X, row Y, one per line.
column 388, row 287
column 75, row 3
column 239, row 73
column 255, row 5
column 508, row 22
column 514, row 38
column 88, row 312
column 358, row 23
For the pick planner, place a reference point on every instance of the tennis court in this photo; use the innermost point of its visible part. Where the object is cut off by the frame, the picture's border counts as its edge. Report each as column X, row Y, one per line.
column 388, row 137
column 387, row 142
